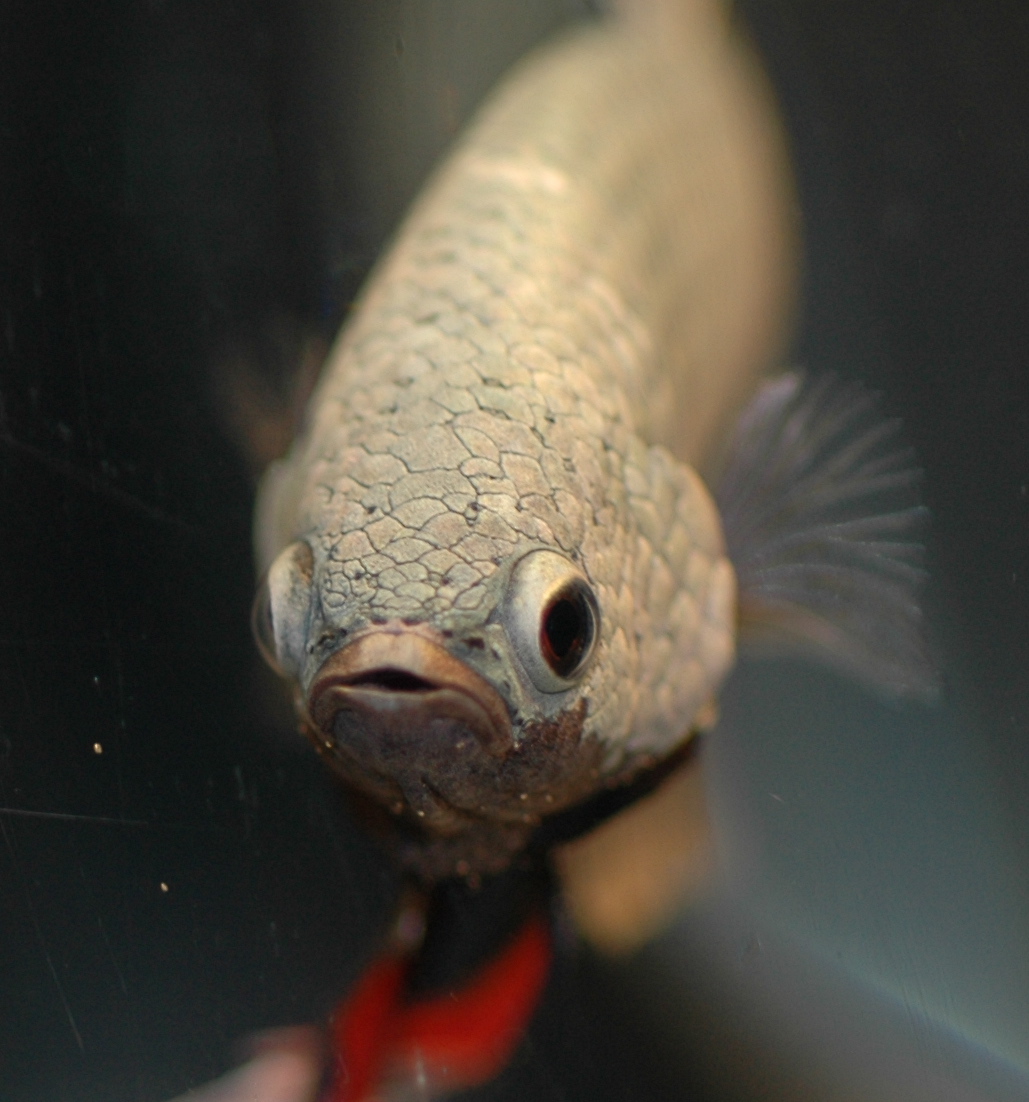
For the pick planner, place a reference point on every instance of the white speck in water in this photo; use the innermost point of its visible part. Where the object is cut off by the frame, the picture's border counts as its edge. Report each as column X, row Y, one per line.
column 98, row 748
column 164, row 886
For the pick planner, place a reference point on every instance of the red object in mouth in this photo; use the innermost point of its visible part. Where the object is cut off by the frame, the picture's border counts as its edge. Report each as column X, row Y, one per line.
column 451, row 1041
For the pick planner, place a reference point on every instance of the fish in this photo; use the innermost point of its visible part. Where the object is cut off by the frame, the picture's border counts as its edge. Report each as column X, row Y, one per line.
column 492, row 524
column 547, row 482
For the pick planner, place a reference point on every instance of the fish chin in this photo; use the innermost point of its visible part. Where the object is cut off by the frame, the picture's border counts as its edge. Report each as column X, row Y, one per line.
column 395, row 713
column 414, row 728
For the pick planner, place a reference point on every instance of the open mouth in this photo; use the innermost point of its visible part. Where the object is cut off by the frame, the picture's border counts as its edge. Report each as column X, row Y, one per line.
column 392, row 680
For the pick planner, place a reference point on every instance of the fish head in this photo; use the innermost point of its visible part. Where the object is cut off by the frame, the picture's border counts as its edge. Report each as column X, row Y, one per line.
column 452, row 715
column 475, row 659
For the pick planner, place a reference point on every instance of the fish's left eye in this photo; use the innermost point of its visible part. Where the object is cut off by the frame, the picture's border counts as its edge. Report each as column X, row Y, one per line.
column 552, row 618
column 567, row 629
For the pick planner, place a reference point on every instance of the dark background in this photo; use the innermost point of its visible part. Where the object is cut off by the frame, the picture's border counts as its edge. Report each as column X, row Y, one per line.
column 184, row 185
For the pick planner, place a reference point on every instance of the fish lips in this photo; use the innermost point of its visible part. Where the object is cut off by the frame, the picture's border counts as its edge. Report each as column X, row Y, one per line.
column 407, row 723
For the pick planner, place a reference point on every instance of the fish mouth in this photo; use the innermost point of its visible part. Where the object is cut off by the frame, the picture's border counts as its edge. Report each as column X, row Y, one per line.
column 407, row 723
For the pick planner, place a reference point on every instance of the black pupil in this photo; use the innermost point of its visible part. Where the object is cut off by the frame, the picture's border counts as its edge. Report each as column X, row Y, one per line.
column 567, row 632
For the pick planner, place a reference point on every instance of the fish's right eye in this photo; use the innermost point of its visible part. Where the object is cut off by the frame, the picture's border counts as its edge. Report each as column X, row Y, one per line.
column 552, row 617
column 262, row 626
column 281, row 610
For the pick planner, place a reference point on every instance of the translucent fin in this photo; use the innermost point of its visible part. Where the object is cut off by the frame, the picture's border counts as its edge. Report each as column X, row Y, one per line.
column 823, row 520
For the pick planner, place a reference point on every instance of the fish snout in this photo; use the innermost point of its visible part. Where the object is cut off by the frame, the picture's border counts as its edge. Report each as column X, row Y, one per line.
column 407, row 723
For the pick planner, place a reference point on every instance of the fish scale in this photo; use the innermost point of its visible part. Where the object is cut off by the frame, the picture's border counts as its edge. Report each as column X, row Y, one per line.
column 504, row 385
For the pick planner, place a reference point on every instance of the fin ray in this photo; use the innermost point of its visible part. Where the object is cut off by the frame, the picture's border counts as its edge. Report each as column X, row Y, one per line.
column 820, row 499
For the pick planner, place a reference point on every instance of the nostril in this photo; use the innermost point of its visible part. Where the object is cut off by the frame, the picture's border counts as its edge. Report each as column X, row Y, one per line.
column 394, row 680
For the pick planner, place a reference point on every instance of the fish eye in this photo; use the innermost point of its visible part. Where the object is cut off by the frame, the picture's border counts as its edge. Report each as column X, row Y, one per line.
column 263, row 627
column 566, row 630
column 281, row 607
column 552, row 618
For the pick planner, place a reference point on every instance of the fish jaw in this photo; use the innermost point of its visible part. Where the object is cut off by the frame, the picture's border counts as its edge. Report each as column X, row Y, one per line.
column 407, row 724
column 395, row 712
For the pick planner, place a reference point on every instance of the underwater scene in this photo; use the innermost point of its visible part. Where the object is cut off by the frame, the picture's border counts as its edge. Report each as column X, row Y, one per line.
column 634, row 704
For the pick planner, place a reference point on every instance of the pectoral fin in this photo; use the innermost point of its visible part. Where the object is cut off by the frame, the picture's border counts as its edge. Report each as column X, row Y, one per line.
column 821, row 505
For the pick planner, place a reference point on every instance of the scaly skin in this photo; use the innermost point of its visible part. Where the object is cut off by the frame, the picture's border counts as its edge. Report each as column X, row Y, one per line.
column 548, row 328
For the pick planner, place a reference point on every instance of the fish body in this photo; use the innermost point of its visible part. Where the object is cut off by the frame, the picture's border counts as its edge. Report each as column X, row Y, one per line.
column 494, row 574
column 495, row 571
